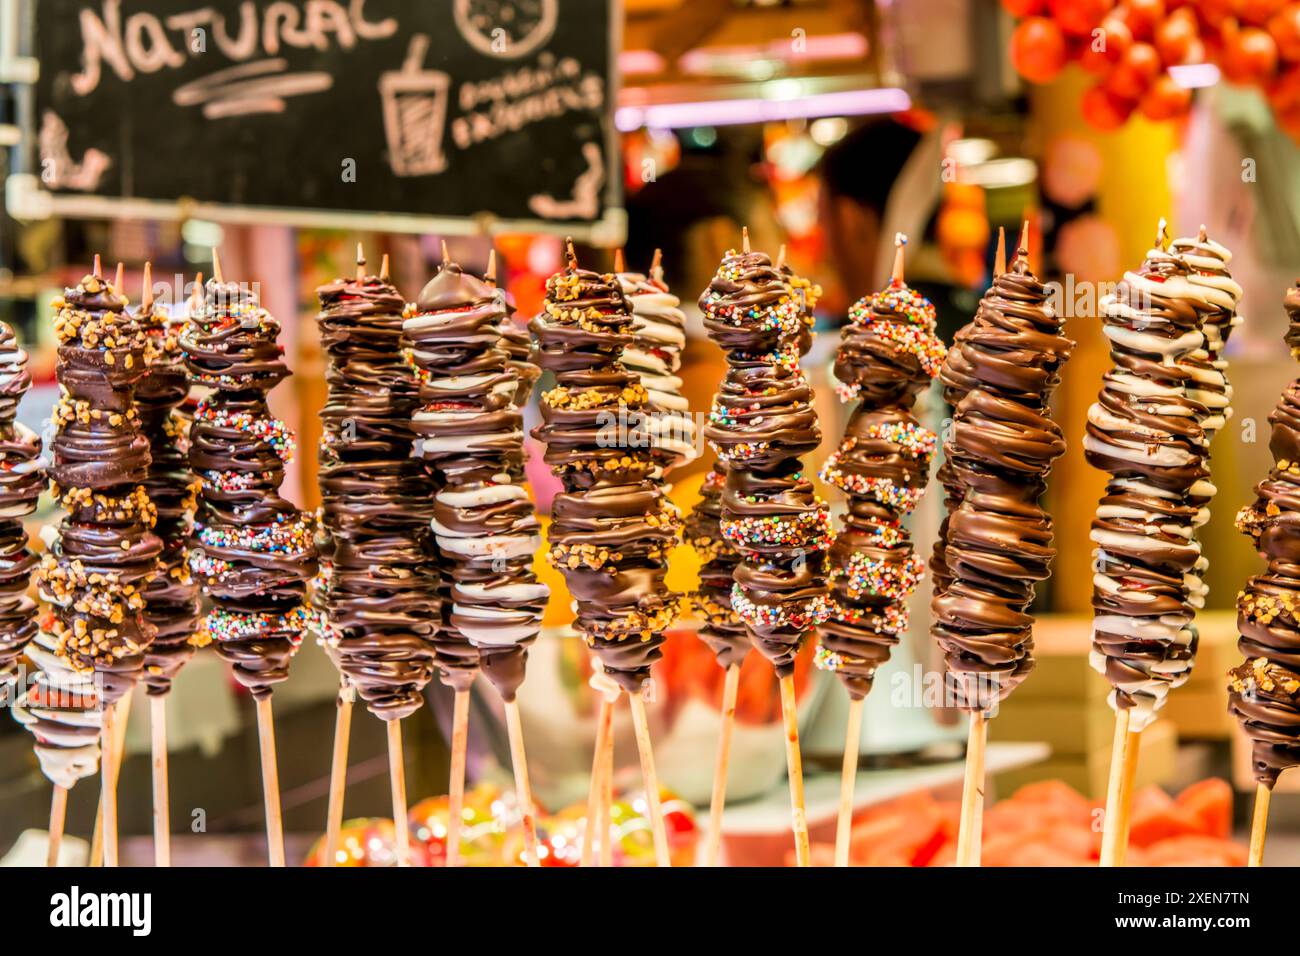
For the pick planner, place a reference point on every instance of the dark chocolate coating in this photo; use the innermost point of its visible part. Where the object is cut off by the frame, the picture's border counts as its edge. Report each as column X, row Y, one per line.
column 997, row 540
column 378, row 597
column 883, row 465
column 22, row 479
column 1264, row 692
column 105, row 553
column 720, row 627
column 171, row 598
column 762, row 421
column 611, row 528
column 255, row 551
column 470, row 437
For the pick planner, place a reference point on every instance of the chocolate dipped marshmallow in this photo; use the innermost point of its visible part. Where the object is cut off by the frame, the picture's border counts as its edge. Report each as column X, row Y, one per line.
column 470, row 435
column 882, row 465
column 1007, row 363
column 1264, row 691
column 611, row 526
column 379, row 593
column 761, row 422
column 1147, row 429
column 255, row 552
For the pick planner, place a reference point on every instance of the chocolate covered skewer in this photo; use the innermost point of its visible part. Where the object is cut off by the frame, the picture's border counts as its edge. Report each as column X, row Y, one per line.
column 380, row 598
column 255, row 551
column 889, row 354
column 171, row 598
column 762, row 421
column 1007, row 361
column 66, row 741
column 611, row 526
column 1150, row 429
column 104, row 552
column 471, row 432
column 1264, row 691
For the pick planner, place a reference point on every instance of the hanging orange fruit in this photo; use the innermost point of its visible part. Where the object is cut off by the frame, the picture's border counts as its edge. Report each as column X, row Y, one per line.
column 1165, row 100
column 1078, row 17
column 1103, row 110
column 1102, row 52
column 1137, row 70
column 1038, row 49
column 1178, row 38
column 1284, row 28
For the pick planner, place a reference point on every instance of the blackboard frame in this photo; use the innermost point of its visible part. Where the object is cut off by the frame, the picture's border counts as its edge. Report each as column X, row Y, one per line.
column 27, row 199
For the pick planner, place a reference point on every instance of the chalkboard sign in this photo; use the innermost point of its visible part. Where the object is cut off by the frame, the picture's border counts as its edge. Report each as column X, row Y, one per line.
column 393, row 113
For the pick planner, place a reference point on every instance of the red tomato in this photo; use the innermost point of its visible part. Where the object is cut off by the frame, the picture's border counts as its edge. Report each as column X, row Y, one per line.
column 1038, row 49
column 1249, row 56
column 1078, row 17
column 1137, row 70
column 1143, row 16
column 1284, row 28
column 1165, row 100
column 1258, row 11
column 1103, row 110
column 1103, row 51
column 1177, row 37
column 1284, row 91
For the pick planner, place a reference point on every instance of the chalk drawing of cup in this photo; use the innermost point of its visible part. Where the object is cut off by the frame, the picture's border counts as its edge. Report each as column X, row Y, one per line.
column 415, row 113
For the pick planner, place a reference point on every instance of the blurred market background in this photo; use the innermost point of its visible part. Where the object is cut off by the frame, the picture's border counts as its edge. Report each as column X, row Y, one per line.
column 826, row 126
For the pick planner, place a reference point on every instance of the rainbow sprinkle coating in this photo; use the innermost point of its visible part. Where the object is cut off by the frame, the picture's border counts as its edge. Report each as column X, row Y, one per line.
column 883, row 490
column 811, row 612
column 809, row 531
column 270, row 430
column 898, row 299
column 913, row 440
column 876, row 577
column 223, row 625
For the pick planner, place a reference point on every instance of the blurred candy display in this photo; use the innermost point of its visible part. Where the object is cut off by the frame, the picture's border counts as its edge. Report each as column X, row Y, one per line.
column 492, row 836
column 1148, row 55
column 1048, row 824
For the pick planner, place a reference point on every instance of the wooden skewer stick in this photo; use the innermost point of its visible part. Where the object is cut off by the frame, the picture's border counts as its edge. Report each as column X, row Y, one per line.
column 1259, row 825
column 607, row 802
column 456, row 788
column 619, row 264
column 570, row 257
column 713, row 840
column 383, row 268
column 780, row 257
column 270, row 783
column 162, row 819
column 446, row 256
column 216, row 267
column 657, row 267
column 970, row 834
column 651, row 779
column 397, row 781
column 1023, row 248
column 1134, row 748
column 1000, row 257
column 490, row 276
column 1114, row 823
column 146, row 290
column 97, row 270
column 119, row 279
column 744, row 239
column 123, row 712
column 794, row 766
column 596, row 789
column 848, row 781
column 108, row 788
column 58, row 816
column 361, row 262
column 338, row 772
column 523, row 791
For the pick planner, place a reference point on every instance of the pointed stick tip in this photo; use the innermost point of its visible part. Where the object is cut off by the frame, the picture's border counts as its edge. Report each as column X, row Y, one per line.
column 216, row 267
column 619, row 264
column 98, row 269
column 744, row 239
column 780, row 256
column 146, row 292
column 900, row 244
column 570, row 256
column 446, row 256
column 490, row 276
column 1000, row 258
column 119, row 277
column 383, row 267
